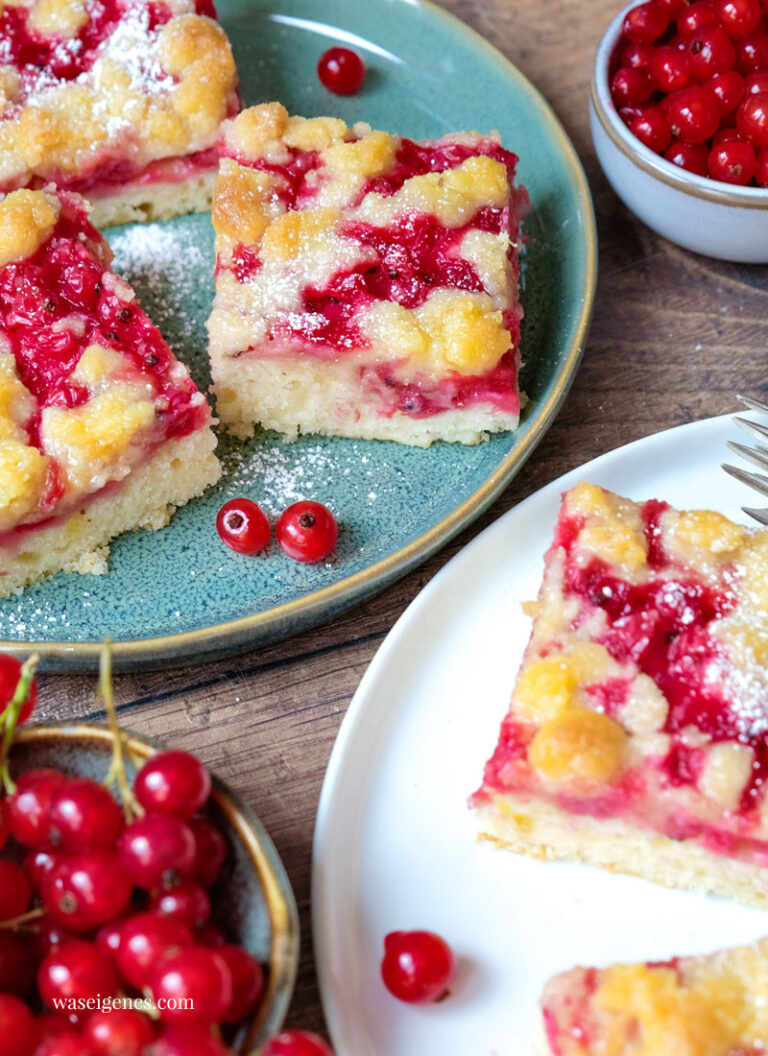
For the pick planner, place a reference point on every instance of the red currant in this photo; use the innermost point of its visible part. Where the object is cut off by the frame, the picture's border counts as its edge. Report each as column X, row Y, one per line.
column 418, row 966
column 729, row 88
column 630, row 87
column 187, row 903
column 143, row 939
column 10, row 672
column 296, row 1043
column 64, row 1043
column 109, row 937
column 693, row 114
column 247, row 982
column 193, row 984
column 84, row 814
column 77, row 971
column 243, row 526
column 186, row 1040
column 646, row 22
column 637, row 56
column 15, row 891
column 711, row 51
column 37, row 865
column 752, row 53
column 341, row 71
column 738, row 17
column 752, row 119
column 307, row 531
column 733, row 161
column 761, row 172
column 670, row 69
column 173, row 783
column 118, row 1032
column 693, row 158
column 50, row 936
column 157, row 851
column 756, row 82
column 18, row 963
column 696, row 17
column 86, row 889
column 652, row 128
column 29, row 805
column 17, row 1027
column 210, row 852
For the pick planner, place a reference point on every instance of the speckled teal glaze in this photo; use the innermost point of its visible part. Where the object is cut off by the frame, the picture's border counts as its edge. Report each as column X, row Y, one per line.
column 427, row 75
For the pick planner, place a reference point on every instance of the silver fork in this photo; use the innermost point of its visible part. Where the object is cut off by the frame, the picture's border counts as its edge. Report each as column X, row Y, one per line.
column 758, row 455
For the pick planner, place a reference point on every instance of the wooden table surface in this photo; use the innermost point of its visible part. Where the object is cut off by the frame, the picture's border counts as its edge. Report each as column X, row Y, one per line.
column 674, row 336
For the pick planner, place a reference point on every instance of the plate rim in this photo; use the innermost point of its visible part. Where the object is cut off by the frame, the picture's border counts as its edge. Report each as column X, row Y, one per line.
column 231, row 634
column 320, row 889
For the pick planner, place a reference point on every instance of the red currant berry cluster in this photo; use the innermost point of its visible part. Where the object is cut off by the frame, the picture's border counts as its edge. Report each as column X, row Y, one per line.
column 306, row 531
column 690, row 80
column 111, row 903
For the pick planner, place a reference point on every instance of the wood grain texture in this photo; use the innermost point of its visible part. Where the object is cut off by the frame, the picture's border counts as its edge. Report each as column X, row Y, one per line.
column 674, row 337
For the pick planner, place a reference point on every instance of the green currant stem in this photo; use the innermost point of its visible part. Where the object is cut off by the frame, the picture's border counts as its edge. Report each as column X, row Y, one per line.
column 25, row 918
column 10, row 718
column 117, row 767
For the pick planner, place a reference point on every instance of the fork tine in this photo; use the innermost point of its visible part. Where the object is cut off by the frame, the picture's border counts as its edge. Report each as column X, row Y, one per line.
column 759, row 515
column 754, row 480
column 758, row 455
column 753, row 427
column 756, row 405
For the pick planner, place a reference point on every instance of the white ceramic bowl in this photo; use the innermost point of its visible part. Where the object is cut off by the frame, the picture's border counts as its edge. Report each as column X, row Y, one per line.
column 704, row 215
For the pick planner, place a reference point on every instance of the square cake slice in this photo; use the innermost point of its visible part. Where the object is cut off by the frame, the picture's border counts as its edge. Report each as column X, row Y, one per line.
column 713, row 1005
column 366, row 285
column 102, row 430
column 637, row 735
column 120, row 100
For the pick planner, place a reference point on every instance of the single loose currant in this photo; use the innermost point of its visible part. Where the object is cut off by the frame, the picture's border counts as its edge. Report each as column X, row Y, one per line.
column 174, row 783
column 307, row 531
column 243, row 526
column 193, row 984
column 296, row 1043
column 82, row 814
column 157, row 851
column 341, row 71
column 418, row 966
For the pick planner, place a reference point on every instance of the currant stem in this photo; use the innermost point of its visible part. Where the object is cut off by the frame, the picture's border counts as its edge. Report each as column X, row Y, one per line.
column 116, row 773
column 25, row 918
column 10, row 718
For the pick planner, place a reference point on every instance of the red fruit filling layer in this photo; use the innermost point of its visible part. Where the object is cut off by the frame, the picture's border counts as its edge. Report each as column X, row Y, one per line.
column 62, row 286
column 44, row 61
column 406, row 260
column 663, row 626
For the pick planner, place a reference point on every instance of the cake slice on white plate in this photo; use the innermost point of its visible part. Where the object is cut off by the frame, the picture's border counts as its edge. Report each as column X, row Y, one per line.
column 713, row 1005
column 366, row 284
column 637, row 734
column 120, row 100
column 102, row 430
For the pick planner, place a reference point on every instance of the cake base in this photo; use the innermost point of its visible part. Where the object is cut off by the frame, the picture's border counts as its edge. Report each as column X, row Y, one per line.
column 534, row 827
column 179, row 470
column 294, row 396
column 153, row 201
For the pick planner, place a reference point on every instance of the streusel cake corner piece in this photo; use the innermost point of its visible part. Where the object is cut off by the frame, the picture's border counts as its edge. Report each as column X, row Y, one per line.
column 120, row 100
column 637, row 735
column 366, row 284
column 713, row 1005
column 102, row 430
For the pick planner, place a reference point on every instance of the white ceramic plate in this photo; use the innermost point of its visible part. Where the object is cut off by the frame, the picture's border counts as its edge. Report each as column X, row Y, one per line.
column 395, row 844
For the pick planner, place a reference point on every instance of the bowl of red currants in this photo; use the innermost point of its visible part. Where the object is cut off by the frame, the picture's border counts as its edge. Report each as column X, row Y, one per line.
column 143, row 907
column 679, row 117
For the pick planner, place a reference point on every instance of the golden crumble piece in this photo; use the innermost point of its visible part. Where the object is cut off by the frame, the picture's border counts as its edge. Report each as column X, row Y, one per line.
column 27, row 219
column 579, row 744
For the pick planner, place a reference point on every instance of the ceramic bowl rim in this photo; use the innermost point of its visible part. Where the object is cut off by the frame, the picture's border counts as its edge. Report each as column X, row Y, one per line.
column 643, row 157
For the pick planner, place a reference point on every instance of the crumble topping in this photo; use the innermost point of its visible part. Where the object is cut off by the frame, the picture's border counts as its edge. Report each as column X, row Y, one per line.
column 87, row 86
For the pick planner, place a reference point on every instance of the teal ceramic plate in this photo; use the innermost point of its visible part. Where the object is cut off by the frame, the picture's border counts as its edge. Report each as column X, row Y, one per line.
column 179, row 594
